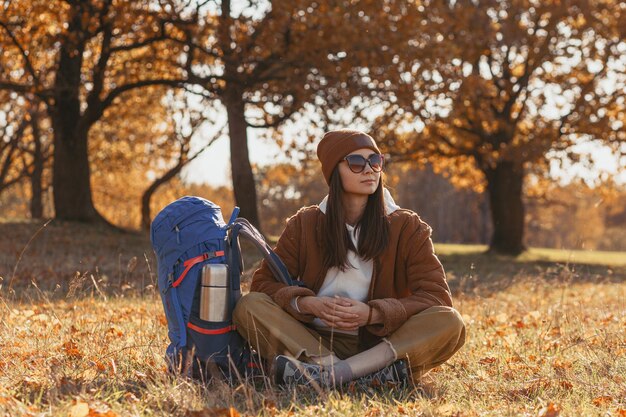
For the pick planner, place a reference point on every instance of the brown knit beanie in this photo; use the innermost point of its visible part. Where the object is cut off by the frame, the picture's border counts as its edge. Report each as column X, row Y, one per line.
column 335, row 145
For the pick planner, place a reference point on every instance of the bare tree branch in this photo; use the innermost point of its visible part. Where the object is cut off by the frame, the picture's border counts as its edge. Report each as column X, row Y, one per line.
column 116, row 92
column 25, row 57
column 93, row 99
column 276, row 121
column 18, row 88
column 11, row 148
column 137, row 45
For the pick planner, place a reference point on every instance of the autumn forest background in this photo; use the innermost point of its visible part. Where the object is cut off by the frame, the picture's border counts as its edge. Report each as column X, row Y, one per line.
column 491, row 115
column 104, row 103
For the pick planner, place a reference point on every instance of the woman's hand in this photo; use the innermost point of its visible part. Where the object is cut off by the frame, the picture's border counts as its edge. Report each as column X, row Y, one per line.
column 339, row 312
column 328, row 309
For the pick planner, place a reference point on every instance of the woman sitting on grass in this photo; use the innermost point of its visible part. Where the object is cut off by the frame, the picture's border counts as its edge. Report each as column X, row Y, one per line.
column 376, row 301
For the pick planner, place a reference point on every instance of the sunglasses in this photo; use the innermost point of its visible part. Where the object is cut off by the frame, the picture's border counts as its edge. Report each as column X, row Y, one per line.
column 357, row 163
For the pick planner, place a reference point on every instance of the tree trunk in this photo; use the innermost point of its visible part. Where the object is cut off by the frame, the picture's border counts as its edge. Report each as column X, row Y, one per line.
column 243, row 179
column 146, row 218
column 484, row 219
column 71, row 179
column 504, row 184
column 70, row 170
column 36, row 178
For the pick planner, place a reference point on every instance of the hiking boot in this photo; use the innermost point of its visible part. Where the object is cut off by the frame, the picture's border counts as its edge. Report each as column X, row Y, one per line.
column 290, row 371
column 396, row 373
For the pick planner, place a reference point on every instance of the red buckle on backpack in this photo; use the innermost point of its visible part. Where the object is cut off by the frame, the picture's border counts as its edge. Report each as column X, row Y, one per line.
column 212, row 331
column 191, row 262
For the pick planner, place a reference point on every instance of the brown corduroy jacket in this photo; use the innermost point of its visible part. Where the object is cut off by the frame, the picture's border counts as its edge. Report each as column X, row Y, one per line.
column 407, row 278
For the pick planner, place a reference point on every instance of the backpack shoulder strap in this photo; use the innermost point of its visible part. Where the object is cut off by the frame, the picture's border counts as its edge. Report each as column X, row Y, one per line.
column 244, row 228
column 233, row 216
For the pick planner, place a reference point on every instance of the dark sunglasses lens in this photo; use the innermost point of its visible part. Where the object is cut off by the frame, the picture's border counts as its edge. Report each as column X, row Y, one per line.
column 376, row 162
column 356, row 162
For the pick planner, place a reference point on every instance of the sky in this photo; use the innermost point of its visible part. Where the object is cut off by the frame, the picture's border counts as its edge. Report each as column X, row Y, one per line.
column 213, row 166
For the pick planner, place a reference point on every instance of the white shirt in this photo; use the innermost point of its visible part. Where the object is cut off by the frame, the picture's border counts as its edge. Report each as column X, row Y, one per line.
column 354, row 282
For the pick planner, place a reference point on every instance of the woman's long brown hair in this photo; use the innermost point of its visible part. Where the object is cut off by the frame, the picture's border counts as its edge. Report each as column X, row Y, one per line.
column 373, row 226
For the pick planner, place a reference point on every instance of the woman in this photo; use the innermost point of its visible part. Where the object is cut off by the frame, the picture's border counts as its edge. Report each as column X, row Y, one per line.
column 376, row 297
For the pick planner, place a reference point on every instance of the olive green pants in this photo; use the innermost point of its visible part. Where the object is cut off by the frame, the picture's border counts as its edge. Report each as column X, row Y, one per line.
column 427, row 339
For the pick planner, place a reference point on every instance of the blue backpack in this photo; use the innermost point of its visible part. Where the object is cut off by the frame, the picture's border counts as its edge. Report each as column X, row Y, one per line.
column 199, row 269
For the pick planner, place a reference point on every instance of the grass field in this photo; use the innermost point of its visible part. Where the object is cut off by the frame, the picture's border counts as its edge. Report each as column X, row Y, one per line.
column 546, row 337
column 543, row 255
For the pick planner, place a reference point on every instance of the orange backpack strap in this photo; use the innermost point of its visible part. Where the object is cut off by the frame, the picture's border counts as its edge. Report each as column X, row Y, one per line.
column 189, row 263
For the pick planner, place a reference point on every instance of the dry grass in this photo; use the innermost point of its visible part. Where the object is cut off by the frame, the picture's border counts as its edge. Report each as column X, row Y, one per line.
column 53, row 254
column 537, row 348
column 590, row 257
column 547, row 342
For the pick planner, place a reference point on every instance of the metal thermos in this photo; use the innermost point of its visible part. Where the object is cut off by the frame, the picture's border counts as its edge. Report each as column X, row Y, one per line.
column 214, row 293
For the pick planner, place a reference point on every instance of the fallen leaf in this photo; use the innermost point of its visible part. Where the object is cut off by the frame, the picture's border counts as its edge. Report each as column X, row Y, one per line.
column 100, row 366
column 561, row 364
column 566, row 385
column 109, row 413
column 214, row 412
column 373, row 412
column 602, row 400
column 488, row 360
column 550, row 410
column 519, row 324
column 71, row 350
column 270, row 407
column 555, row 332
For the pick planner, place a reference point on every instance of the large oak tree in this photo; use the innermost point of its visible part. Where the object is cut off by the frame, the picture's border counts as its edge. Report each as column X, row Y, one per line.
column 264, row 62
column 502, row 84
column 79, row 58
